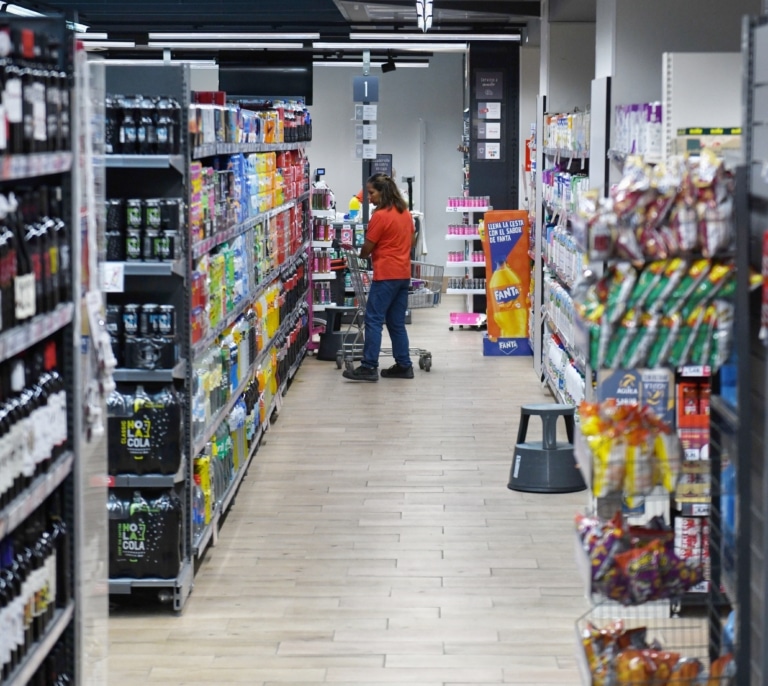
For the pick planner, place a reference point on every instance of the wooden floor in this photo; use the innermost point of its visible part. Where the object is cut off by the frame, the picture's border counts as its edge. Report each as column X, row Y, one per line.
column 374, row 542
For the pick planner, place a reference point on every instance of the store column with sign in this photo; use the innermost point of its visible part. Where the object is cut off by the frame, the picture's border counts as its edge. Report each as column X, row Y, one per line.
column 365, row 94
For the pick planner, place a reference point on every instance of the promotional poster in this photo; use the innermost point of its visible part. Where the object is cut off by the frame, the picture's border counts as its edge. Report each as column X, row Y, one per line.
column 507, row 265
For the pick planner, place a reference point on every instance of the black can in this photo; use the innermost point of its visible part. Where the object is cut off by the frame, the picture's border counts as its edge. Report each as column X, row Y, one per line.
column 133, row 245
column 166, row 320
column 148, row 324
column 131, row 320
column 152, row 215
column 149, row 244
column 114, row 320
column 115, row 246
column 115, row 214
column 170, row 214
column 133, row 214
column 166, row 246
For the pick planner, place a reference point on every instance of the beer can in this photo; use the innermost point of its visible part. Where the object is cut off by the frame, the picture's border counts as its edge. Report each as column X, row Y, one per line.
column 131, row 320
column 148, row 316
column 133, row 214
column 149, row 244
column 114, row 320
column 152, row 214
column 166, row 320
column 133, row 245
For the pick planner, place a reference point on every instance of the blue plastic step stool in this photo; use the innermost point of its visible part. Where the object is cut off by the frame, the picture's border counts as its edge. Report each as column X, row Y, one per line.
column 548, row 467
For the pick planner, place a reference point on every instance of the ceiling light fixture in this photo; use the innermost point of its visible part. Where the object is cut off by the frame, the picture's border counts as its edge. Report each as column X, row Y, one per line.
column 85, row 37
column 512, row 37
column 107, row 44
column 389, row 65
column 190, row 45
column 20, row 11
column 234, row 36
column 424, row 14
column 358, row 64
column 404, row 47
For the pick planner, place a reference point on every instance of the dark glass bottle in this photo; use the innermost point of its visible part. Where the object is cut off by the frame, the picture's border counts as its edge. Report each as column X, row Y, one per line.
column 61, row 231
column 146, row 133
column 7, row 269
column 128, row 127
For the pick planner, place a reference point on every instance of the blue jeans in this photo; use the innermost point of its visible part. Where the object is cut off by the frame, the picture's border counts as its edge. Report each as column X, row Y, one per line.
column 387, row 303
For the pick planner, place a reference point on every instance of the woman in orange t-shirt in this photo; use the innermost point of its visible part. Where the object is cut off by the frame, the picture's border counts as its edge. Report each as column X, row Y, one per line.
column 388, row 242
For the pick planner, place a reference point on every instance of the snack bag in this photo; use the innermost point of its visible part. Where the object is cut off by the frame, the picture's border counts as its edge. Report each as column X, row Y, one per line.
column 662, row 346
column 674, row 272
column 622, row 337
column 715, row 228
column 639, row 347
column 685, row 673
column 634, row 667
column 634, row 190
column 723, row 336
column 696, row 274
column 621, row 282
column 647, row 281
column 668, row 453
column 708, row 288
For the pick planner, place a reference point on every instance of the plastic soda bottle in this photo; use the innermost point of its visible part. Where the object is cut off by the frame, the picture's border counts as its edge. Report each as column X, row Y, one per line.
column 509, row 313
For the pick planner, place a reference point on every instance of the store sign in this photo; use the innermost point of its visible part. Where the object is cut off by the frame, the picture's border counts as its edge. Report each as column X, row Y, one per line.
column 365, row 89
column 505, row 244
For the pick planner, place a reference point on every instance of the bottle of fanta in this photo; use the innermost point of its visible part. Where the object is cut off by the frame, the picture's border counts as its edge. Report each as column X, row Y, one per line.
column 505, row 304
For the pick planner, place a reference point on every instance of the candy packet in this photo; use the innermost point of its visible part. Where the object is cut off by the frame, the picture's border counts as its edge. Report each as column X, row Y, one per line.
column 621, row 281
column 696, row 274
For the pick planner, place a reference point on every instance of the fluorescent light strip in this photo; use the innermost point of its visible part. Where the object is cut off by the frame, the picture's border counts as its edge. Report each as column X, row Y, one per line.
column 183, row 45
column 20, row 11
column 399, row 65
column 201, row 64
column 424, row 47
column 234, row 36
column 92, row 36
column 104, row 44
column 435, row 36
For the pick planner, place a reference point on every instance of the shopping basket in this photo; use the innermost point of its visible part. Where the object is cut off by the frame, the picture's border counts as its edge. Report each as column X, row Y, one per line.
column 426, row 283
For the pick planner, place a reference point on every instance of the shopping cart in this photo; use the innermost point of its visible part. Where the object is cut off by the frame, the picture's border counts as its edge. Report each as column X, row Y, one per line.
column 426, row 285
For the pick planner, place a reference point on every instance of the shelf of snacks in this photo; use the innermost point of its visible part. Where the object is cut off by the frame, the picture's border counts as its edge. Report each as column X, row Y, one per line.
column 649, row 648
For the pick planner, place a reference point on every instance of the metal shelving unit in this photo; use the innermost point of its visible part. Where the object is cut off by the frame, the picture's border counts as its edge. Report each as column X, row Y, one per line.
column 168, row 176
column 468, row 267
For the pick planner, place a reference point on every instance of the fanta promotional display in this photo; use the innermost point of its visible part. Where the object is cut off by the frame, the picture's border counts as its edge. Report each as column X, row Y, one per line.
column 505, row 243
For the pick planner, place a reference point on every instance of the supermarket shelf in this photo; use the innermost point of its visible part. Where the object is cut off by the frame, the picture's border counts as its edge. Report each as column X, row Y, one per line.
column 17, row 511
column 460, row 237
column 181, row 582
column 225, row 410
column 700, row 507
column 323, row 214
column 318, row 307
column 568, row 285
column 36, row 657
column 619, row 156
column 154, row 268
column 566, row 344
column 144, row 161
column 567, row 153
column 212, row 149
column 467, row 210
column 322, row 244
column 555, row 390
column 150, row 375
column 323, row 276
column 349, row 289
column 35, row 164
column 148, row 480
column 295, row 366
column 465, row 291
column 695, row 372
column 470, row 265
column 19, row 338
column 207, row 244
column 202, row 346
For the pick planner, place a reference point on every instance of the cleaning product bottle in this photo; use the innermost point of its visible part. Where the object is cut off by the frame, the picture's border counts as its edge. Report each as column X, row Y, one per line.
column 504, row 302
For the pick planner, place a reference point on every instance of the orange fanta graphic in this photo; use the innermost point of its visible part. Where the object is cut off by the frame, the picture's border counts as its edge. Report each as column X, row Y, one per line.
column 506, row 302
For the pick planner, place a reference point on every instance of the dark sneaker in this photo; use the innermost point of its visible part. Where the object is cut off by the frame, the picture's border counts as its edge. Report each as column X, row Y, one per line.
column 397, row 372
column 361, row 374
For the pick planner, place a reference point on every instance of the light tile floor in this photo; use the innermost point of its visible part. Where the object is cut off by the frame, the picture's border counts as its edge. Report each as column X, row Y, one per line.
column 374, row 542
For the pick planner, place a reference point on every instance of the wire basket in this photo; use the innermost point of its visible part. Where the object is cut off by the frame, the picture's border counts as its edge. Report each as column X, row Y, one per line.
column 426, row 285
column 685, row 638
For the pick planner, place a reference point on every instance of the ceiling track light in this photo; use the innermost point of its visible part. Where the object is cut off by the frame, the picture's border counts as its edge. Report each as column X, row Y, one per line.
column 232, row 36
column 424, row 14
column 409, row 37
column 196, row 45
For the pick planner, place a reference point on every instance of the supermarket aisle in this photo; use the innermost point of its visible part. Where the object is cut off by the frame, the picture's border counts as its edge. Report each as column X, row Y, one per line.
column 375, row 542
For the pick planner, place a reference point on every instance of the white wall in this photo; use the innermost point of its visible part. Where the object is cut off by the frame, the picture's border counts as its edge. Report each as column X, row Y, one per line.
column 529, row 91
column 571, row 65
column 406, row 96
column 642, row 31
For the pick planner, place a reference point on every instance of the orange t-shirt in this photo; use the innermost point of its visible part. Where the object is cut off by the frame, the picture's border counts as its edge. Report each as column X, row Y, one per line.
column 392, row 232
